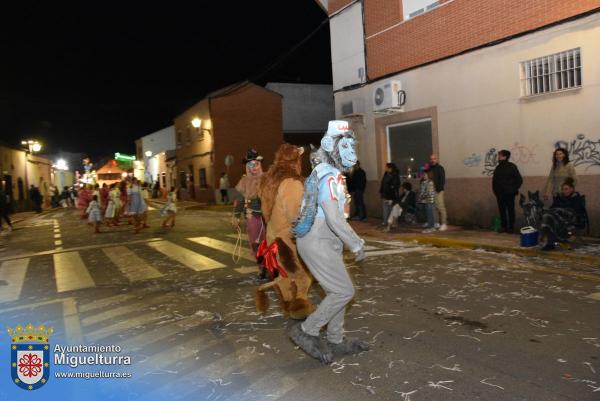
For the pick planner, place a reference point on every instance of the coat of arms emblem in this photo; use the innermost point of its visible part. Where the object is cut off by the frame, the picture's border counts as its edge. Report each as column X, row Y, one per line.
column 30, row 355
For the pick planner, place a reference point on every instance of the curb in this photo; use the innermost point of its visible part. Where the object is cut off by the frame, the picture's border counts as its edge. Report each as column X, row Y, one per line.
column 444, row 242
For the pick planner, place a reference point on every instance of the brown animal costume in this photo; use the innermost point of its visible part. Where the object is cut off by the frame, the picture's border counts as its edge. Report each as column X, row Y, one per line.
column 281, row 189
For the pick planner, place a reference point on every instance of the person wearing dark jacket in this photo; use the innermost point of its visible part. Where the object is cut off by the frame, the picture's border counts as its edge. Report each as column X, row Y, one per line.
column 359, row 184
column 408, row 202
column 4, row 208
column 390, row 184
column 36, row 198
column 567, row 214
column 506, row 183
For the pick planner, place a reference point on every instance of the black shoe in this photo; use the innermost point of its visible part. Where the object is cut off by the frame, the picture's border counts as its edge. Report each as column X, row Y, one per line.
column 548, row 247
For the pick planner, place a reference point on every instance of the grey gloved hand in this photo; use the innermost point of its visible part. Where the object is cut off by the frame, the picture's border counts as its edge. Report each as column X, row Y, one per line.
column 359, row 255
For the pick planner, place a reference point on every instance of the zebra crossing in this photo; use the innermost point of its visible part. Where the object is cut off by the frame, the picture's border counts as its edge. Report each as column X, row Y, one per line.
column 71, row 273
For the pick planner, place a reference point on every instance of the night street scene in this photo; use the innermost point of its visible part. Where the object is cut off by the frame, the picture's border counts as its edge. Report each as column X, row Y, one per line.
column 300, row 200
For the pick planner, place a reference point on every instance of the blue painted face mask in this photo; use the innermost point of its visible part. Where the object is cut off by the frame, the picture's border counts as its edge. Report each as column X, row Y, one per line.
column 347, row 152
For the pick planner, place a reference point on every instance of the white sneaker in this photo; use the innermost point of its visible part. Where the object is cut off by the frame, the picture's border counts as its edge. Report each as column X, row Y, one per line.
column 443, row 227
column 424, row 225
column 428, row 231
column 436, row 225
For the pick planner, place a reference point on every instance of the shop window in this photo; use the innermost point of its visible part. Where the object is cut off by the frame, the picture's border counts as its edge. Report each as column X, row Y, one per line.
column 410, row 145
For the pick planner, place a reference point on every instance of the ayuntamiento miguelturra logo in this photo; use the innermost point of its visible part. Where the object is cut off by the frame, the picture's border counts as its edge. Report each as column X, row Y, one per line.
column 30, row 355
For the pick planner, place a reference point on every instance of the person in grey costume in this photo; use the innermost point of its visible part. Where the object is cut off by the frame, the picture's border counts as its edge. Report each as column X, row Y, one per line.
column 321, row 232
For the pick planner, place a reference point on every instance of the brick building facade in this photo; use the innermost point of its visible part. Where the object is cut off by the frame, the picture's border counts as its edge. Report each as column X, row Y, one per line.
column 475, row 76
column 231, row 121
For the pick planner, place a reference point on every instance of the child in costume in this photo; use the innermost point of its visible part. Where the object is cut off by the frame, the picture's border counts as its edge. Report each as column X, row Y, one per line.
column 136, row 205
column 170, row 209
column 321, row 232
column 249, row 205
column 94, row 215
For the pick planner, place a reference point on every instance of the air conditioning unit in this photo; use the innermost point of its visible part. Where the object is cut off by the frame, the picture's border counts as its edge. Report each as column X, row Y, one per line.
column 353, row 107
column 389, row 97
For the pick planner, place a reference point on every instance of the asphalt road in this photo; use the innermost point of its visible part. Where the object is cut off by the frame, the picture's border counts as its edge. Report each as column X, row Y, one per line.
column 444, row 324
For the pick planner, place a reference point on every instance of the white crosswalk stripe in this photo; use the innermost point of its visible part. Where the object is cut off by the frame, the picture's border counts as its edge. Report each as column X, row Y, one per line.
column 12, row 276
column 166, row 331
column 223, row 246
column 120, row 327
column 131, row 265
column 70, row 272
column 186, row 257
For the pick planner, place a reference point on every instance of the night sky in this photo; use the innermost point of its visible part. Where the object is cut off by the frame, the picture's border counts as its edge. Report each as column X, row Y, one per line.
column 93, row 76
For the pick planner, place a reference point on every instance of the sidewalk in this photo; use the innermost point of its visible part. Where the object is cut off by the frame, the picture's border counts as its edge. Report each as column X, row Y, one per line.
column 458, row 237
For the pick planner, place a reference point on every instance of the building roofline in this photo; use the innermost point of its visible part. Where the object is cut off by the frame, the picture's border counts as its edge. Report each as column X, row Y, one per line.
column 227, row 91
column 485, row 45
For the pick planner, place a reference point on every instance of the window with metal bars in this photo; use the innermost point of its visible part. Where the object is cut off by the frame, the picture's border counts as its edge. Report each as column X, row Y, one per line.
column 553, row 73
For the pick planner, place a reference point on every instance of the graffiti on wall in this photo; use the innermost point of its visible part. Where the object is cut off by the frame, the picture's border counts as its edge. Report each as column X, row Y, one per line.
column 521, row 154
column 582, row 151
column 472, row 161
column 490, row 162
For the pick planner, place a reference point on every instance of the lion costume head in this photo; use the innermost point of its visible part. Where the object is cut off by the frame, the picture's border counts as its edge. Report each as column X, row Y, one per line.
column 287, row 164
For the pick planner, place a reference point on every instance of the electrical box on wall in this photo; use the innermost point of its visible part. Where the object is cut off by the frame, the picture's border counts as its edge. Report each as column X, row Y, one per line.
column 389, row 97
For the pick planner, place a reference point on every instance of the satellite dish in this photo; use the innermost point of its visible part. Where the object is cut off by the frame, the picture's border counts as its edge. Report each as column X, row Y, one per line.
column 228, row 160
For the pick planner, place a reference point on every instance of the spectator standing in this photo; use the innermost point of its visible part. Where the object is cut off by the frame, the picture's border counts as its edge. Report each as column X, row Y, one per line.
column 359, row 184
column 427, row 195
column 224, row 188
column 506, row 182
column 4, row 208
column 561, row 169
column 36, row 198
column 439, row 182
column 390, row 184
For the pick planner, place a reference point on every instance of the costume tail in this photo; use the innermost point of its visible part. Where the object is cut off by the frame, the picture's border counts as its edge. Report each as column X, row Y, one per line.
column 261, row 298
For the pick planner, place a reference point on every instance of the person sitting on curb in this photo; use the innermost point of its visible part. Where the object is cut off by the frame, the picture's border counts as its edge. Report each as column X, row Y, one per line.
column 408, row 203
column 566, row 214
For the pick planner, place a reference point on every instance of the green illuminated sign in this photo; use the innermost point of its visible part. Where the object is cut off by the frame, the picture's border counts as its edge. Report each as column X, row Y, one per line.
column 128, row 158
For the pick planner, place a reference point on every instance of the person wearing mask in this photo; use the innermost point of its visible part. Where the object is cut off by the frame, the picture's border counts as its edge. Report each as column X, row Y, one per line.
column 506, row 182
column 439, row 182
column 561, row 169
column 359, row 184
column 390, row 184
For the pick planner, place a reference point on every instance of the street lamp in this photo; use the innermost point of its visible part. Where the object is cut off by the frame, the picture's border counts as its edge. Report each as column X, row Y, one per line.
column 196, row 122
column 148, row 153
column 32, row 145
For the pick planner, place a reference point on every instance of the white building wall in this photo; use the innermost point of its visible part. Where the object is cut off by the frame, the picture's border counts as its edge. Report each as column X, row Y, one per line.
column 479, row 106
column 159, row 141
column 347, row 47
column 306, row 107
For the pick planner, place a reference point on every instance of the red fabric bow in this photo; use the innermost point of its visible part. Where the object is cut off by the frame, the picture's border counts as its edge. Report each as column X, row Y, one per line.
column 269, row 255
